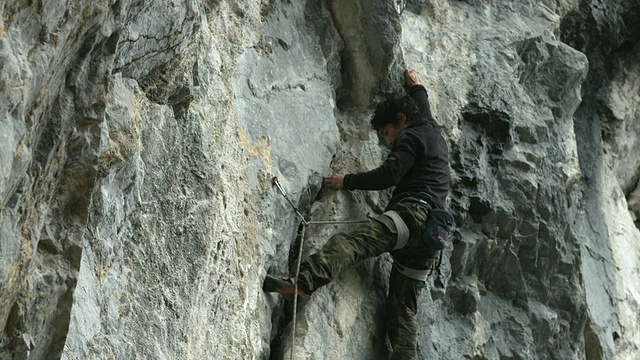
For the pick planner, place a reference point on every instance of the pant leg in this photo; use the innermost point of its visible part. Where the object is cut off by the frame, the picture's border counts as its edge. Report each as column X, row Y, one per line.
column 343, row 250
column 401, row 315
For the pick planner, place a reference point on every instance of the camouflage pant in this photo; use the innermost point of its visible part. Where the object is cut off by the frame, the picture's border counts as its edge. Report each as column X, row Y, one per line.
column 372, row 239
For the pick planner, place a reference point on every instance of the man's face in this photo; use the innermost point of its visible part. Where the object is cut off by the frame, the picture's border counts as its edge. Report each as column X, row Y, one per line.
column 390, row 131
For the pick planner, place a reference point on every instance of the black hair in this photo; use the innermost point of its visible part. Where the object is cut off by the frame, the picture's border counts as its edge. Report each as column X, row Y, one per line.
column 386, row 111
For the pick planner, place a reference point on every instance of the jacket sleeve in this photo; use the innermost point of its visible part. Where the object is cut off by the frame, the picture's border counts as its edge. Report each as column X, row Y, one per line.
column 391, row 171
column 419, row 94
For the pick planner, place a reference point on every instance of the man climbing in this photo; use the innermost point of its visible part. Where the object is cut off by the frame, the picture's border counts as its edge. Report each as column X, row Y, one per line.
column 418, row 167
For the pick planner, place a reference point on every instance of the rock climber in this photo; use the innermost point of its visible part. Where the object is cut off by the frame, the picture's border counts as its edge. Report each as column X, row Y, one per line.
column 418, row 167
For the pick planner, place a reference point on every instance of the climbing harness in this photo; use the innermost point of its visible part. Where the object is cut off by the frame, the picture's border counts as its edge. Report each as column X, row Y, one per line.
column 401, row 227
column 417, row 274
column 305, row 223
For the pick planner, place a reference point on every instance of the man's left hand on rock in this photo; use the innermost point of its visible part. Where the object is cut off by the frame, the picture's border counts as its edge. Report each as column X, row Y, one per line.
column 334, row 181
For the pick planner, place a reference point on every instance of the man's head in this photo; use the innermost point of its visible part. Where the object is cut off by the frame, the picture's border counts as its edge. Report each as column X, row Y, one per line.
column 393, row 115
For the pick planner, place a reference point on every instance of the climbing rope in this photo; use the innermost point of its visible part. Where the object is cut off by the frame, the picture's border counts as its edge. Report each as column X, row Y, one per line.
column 275, row 182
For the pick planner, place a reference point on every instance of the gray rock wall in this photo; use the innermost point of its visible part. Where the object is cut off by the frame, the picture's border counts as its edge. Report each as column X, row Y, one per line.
column 606, row 213
column 139, row 141
column 56, row 64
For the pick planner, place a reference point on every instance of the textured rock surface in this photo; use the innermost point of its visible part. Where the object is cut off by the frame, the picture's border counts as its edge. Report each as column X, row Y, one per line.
column 139, row 140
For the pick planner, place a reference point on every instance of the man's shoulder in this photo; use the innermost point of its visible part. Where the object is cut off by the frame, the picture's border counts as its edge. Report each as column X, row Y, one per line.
column 413, row 138
column 410, row 134
column 422, row 130
column 425, row 135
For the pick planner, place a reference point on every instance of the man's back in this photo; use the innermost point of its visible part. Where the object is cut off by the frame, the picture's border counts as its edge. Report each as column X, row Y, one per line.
column 430, row 170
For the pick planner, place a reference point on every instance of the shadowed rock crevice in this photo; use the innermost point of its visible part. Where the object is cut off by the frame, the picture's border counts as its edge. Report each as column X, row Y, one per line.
column 171, row 85
column 370, row 32
column 495, row 124
column 309, row 194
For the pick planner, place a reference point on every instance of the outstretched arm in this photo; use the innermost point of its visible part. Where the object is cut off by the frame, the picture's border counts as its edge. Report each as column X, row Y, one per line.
column 418, row 92
column 388, row 174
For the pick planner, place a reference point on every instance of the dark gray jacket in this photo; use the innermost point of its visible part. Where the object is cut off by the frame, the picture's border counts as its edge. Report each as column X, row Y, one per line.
column 418, row 162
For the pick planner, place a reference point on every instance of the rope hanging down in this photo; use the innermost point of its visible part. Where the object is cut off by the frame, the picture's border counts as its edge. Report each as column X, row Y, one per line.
column 274, row 181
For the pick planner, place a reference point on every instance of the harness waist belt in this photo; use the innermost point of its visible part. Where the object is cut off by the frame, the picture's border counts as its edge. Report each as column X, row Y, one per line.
column 416, row 274
column 402, row 228
column 425, row 205
column 424, row 199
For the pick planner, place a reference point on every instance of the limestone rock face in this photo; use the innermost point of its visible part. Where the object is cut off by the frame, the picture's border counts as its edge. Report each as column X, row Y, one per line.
column 140, row 140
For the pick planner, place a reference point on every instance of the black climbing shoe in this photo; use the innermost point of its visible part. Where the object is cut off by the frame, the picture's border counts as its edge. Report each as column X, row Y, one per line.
column 283, row 285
